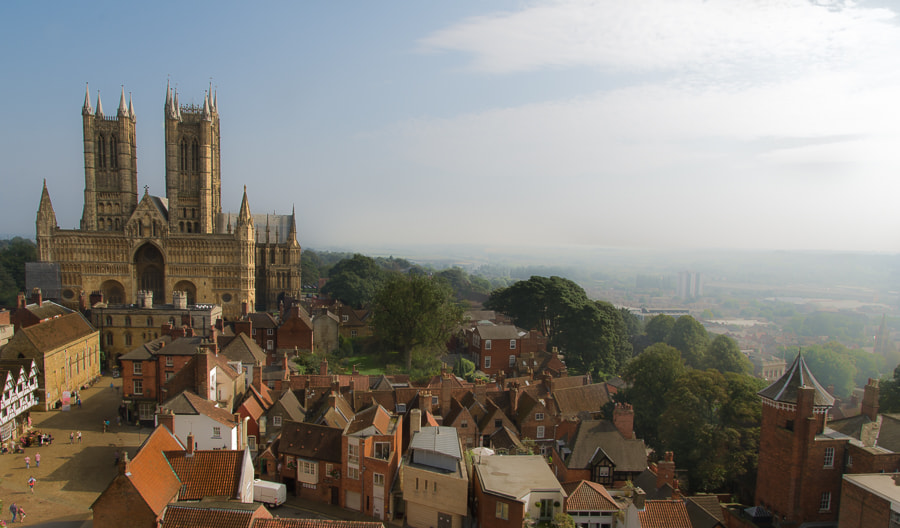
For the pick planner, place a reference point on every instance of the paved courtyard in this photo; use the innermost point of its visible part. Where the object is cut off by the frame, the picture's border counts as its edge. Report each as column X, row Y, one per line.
column 71, row 476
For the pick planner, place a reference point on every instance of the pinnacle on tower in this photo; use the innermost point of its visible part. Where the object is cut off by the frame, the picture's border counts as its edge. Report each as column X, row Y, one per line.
column 86, row 109
column 244, row 217
column 293, row 230
column 206, row 113
column 130, row 107
column 99, row 106
column 45, row 209
column 123, row 108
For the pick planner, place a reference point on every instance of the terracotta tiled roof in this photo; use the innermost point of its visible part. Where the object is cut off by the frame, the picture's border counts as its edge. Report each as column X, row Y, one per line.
column 151, row 474
column 222, row 362
column 376, row 417
column 313, row 523
column 588, row 496
column 252, row 407
column 212, row 514
column 57, row 332
column 207, row 473
column 664, row 514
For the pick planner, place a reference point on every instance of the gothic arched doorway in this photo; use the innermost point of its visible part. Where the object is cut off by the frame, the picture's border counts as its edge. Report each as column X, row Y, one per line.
column 149, row 268
column 113, row 292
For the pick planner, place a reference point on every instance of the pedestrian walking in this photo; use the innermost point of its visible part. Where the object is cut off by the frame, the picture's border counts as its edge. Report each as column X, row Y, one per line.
column 27, row 462
column 14, row 509
column 79, row 437
column 72, row 437
column 37, row 459
column 31, row 482
column 21, row 512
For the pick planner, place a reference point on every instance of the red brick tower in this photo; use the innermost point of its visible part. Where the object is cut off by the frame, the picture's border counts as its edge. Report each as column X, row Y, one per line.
column 800, row 461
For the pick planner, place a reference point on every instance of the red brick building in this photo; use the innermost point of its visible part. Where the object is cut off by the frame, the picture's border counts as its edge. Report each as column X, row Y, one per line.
column 371, row 448
column 869, row 499
column 296, row 332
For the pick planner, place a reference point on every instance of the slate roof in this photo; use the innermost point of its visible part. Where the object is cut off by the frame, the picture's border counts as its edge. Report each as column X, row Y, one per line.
column 784, row 390
column 334, row 412
column 602, row 435
column 262, row 320
column 647, row 482
column 245, row 350
column 705, row 511
column 587, row 496
column 498, row 332
column 211, row 514
column 55, row 333
column 47, row 310
column 187, row 402
column 215, row 473
column 505, row 438
column 664, row 514
column 292, row 406
column 311, row 441
column 443, row 440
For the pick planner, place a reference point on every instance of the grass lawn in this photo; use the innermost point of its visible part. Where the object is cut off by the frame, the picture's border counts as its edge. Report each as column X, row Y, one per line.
column 370, row 364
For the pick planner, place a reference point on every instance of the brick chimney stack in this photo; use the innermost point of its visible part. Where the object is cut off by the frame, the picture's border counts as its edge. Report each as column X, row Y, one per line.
column 36, row 297
column 623, row 419
column 869, row 405
column 20, row 301
column 665, row 471
column 190, row 444
column 323, row 367
column 166, row 417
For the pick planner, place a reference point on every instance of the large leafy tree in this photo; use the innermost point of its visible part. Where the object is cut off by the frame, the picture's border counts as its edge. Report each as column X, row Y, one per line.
column 711, row 423
column 651, row 375
column 415, row 312
column 310, row 268
column 14, row 254
column 658, row 328
column 724, row 355
column 889, row 393
column 592, row 334
column 689, row 336
column 831, row 368
column 354, row 281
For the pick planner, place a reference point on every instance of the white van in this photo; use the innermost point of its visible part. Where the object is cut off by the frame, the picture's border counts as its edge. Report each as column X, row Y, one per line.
column 271, row 494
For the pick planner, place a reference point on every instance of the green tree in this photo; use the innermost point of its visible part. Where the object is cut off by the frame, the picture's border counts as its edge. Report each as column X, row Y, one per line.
column 831, row 369
column 595, row 339
column 14, row 254
column 411, row 311
column 711, row 425
column 310, row 265
column 651, row 375
column 632, row 322
column 724, row 355
column 464, row 369
column 354, row 281
column 659, row 327
column 538, row 303
column 689, row 336
column 889, row 393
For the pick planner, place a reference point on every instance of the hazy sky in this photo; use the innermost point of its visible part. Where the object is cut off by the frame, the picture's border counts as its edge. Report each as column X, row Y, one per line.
column 646, row 123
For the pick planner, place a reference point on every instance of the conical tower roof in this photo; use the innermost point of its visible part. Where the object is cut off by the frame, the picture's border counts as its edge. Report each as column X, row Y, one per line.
column 785, row 389
column 244, row 217
column 123, row 107
column 87, row 109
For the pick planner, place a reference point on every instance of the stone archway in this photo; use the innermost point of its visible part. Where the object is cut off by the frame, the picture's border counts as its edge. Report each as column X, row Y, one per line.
column 150, row 271
column 113, row 292
column 188, row 288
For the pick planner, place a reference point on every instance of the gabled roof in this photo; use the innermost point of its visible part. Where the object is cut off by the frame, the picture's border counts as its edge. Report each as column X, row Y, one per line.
column 186, row 403
column 785, row 389
column 375, row 420
column 647, row 482
column 334, row 412
column 705, row 511
column 47, row 310
column 245, row 350
column 215, row 473
column 585, row 495
column 443, row 440
column 498, row 332
column 664, row 514
column 150, row 473
column 212, row 514
column 262, row 320
column 292, row 406
column 594, row 435
column 57, row 332
column 311, row 441
column 505, row 438
column 582, row 401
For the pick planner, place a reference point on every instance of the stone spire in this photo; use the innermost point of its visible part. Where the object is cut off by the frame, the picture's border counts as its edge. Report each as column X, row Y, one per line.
column 86, row 109
column 177, row 107
column 46, row 217
column 170, row 102
column 207, row 116
column 292, row 234
column 99, row 106
column 244, row 217
column 130, row 107
column 215, row 103
column 123, row 108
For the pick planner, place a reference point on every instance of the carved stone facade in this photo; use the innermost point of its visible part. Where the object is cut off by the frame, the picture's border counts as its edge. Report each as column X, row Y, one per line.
column 183, row 242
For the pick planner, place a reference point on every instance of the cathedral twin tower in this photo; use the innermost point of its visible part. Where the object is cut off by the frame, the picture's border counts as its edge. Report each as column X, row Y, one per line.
column 182, row 242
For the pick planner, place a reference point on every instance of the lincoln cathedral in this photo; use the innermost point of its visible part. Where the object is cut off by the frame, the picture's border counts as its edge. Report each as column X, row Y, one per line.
column 130, row 242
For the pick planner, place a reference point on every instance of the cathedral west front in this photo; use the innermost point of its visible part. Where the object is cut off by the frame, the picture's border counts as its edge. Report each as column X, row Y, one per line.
column 130, row 242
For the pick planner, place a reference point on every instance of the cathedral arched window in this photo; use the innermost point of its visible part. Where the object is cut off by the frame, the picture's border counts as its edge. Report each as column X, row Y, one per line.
column 101, row 152
column 181, row 226
column 108, row 320
column 100, row 224
column 109, row 339
column 127, row 339
column 140, row 228
column 196, row 227
column 149, row 321
column 189, row 227
column 195, row 156
column 113, row 152
column 127, row 320
column 183, row 151
column 117, row 224
column 100, row 207
column 109, row 224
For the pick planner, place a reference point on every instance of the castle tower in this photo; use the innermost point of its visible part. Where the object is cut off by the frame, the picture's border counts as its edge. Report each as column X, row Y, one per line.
column 193, row 177
column 110, row 166
column 246, row 239
column 800, row 467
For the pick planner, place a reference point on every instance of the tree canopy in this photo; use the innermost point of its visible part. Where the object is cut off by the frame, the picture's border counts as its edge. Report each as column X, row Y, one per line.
column 354, row 281
column 14, row 253
column 724, row 355
column 414, row 311
column 691, row 339
column 651, row 375
column 592, row 334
